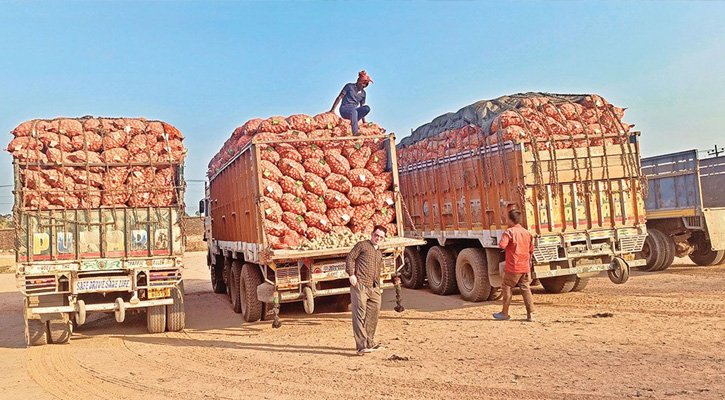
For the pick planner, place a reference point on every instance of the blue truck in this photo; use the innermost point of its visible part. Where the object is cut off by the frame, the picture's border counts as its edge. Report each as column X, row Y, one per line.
column 685, row 209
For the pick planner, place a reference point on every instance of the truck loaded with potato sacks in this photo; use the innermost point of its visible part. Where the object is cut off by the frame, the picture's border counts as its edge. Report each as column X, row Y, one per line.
column 286, row 201
column 567, row 162
column 98, row 219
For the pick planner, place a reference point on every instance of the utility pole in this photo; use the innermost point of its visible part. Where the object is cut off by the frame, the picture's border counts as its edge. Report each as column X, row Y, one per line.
column 716, row 152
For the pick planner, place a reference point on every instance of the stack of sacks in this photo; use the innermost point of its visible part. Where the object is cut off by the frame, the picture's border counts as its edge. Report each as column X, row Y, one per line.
column 91, row 162
column 552, row 121
column 324, row 192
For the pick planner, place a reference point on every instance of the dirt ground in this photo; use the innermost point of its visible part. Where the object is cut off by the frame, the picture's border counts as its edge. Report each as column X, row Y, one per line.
column 664, row 340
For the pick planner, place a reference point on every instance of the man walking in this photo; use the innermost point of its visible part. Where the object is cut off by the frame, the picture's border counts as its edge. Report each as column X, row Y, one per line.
column 353, row 96
column 519, row 246
column 363, row 265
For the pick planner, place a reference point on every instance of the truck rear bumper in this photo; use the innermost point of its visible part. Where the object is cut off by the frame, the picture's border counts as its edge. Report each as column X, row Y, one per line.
column 287, row 297
column 96, row 307
column 583, row 269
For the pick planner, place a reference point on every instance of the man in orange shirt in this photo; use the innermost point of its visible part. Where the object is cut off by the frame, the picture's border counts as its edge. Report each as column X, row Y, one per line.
column 519, row 246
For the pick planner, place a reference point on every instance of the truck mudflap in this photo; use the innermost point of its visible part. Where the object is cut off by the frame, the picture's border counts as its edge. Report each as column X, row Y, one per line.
column 715, row 222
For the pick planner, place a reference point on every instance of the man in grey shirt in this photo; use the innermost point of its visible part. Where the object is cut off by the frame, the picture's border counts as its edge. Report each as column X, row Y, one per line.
column 364, row 265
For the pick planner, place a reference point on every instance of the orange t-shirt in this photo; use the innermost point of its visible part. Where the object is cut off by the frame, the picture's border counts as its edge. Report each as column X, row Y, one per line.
column 519, row 246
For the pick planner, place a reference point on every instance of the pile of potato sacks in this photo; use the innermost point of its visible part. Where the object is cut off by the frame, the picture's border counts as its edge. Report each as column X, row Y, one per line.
column 72, row 163
column 550, row 121
column 317, row 193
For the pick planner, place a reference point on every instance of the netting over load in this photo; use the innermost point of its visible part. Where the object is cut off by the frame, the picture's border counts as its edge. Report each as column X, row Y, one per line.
column 317, row 193
column 71, row 163
column 541, row 120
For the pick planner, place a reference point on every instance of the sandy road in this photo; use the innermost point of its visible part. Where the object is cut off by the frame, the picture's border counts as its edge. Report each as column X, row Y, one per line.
column 665, row 340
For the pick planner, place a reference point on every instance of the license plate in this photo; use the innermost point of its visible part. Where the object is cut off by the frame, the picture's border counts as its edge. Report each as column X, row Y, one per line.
column 159, row 293
column 102, row 285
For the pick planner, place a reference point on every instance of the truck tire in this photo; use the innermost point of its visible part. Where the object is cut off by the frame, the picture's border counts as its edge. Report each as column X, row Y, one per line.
column 343, row 302
column 156, row 319
column 176, row 313
column 496, row 293
column 580, row 284
column 559, row 284
column 653, row 250
column 620, row 274
column 37, row 333
column 308, row 300
column 440, row 266
column 707, row 257
column 669, row 253
column 234, row 288
column 59, row 330
column 413, row 272
column 251, row 277
column 217, row 277
column 472, row 275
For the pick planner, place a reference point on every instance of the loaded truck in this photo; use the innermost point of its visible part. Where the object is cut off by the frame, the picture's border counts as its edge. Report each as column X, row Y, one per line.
column 567, row 162
column 98, row 223
column 247, row 258
column 685, row 209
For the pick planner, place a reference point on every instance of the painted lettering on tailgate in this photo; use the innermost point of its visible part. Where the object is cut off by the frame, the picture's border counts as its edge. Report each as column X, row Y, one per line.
column 102, row 285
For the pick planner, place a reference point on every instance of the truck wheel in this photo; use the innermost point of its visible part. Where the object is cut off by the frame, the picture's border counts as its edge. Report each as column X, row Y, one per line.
column 59, row 330
column 413, row 272
column 620, row 274
column 156, row 319
column 703, row 255
column 37, row 333
column 120, row 311
column 472, row 275
column 80, row 317
column 234, row 286
column 217, row 277
column 559, row 284
column 580, row 284
column 343, row 302
column 496, row 293
column 653, row 250
column 175, row 313
column 440, row 265
column 669, row 253
column 251, row 306
column 308, row 300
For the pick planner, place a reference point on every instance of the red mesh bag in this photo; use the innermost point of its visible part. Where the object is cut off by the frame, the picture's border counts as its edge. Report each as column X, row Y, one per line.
column 315, row 203
column 33, row 179
column 506, row 119
column 83, row 156
column 365, row 227
column 275, row 228
column 145, row 157
column 392, row 229
column 289, row 185
column 265, row 137
column 89, row 197
column 115, row 139
column 327, row 120
column 63, row 199
column 292, row 134
column 294, row 222
column 318, row 221
column 343, row 230
column 342, row 129
column 383, row 216
column 382, row 183
column 314, row 233
column 47, row 126
column 24, row 143
column 272, row 189
column 362, row 213
column 594, row 129
column 292, row 204
column 554, row 127
column 141, row 143
column 171, row 131
column 317, row 166
column 24, row 129
column 250, row 127
column 361, row 177
column 590, row 116
column 338, row 163
column 335, row 199
column 360, row 195
column 134, row 126
column 156, row 129
column 595, row 101
column 271, row 209
column 338, row 182
column 54, row 156
column 534, row 101
column 164, row 184
column 340, row 216
column 574, row 127
column 274, row 125
column 292, row 168
column 117, row 155
column 92, row 140
column 57, row 179
column 269, row 154
column 320, row 134
column 358, row 158
column 287, row 151
column 141, row 175
column 512, row 132
column 56, row 140
column 371, row 129
column 571, row 111
column 173, row 150
column 333, row 152
column 115, row 193
column 270, row 171
column 311, row 151
column 141, row 195
column 384, row 200
column 378, row 162
column 552, row 111
column 302, row 122
column 35, row 200
column 314, row 184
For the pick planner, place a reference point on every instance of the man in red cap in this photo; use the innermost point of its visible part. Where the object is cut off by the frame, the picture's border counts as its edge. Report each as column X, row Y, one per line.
column 352, row 97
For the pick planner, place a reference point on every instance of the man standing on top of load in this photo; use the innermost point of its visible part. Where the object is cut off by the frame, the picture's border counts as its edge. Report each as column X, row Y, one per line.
column 363, row 265
column 519, row 246
column 353, row 105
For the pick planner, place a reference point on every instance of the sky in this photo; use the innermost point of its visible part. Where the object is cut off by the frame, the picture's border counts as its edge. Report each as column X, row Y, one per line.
column 207, row 67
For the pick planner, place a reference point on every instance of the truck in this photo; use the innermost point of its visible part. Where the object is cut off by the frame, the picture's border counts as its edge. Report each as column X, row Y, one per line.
column 244, row 262
column 580, row 194
column 685, row 209
column 80, row 248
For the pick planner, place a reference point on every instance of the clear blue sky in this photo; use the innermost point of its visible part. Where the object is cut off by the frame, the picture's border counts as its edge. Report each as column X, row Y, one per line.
column 206, row 67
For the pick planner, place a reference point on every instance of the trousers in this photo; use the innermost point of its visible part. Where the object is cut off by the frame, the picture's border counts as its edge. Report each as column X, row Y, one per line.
column 354, row 115
column 366, row 302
